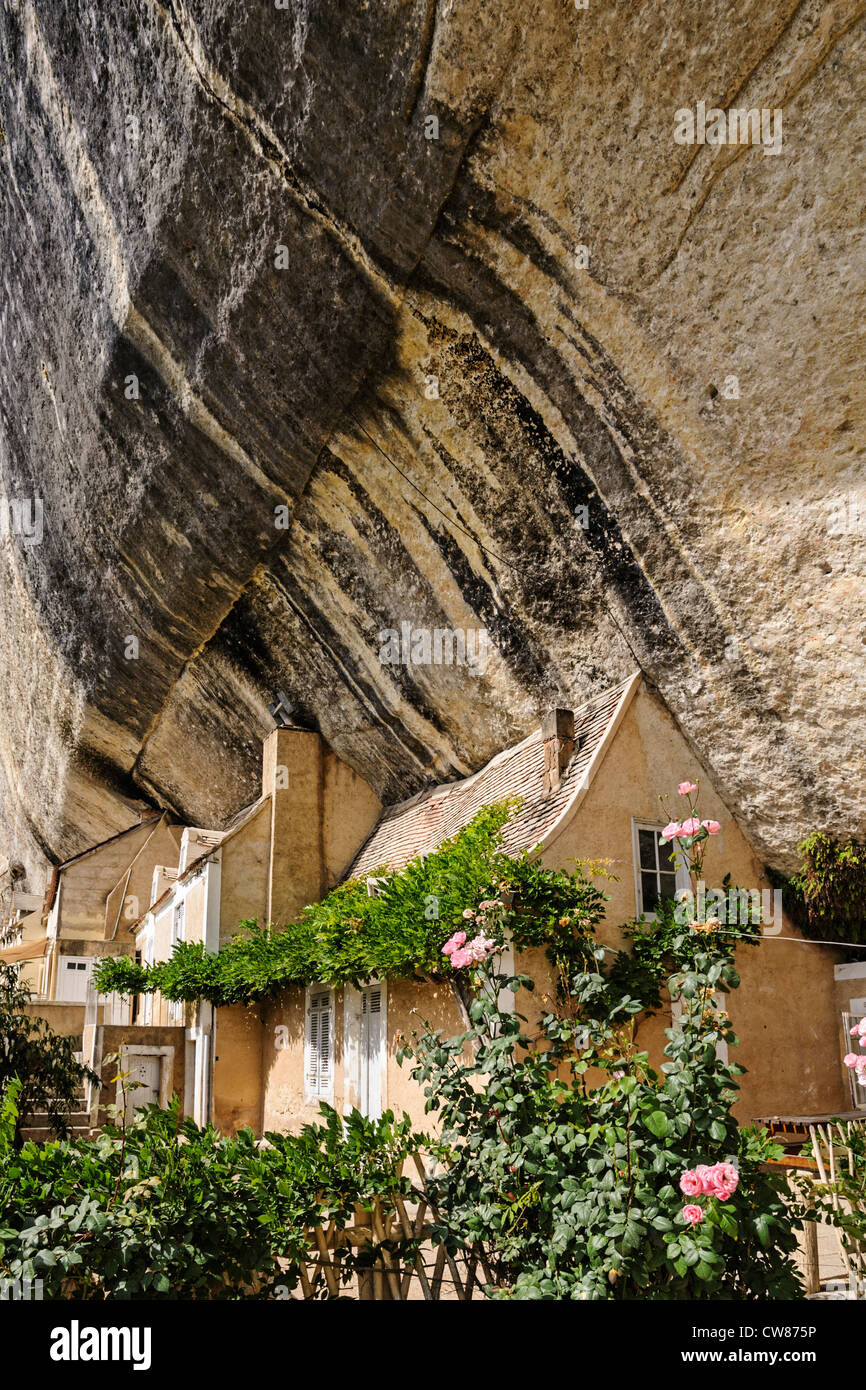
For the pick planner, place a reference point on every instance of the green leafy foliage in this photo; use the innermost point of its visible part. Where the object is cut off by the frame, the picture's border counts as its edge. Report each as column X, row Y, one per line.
column 165, row 1209
column 43, row 1063
column 563, row 1150
column 658, row 942
column 826, row 897
column 353, row 936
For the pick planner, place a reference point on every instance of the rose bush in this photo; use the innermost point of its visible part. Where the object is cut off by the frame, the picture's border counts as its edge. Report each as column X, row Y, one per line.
column 570, row 1155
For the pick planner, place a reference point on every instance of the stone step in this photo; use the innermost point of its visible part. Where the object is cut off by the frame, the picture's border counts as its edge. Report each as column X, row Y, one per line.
column 38, row 1119
column 40, row 1134
column 72, row 1102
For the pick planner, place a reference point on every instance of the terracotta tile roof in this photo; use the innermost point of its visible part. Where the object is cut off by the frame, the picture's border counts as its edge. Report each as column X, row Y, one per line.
column 418, row 826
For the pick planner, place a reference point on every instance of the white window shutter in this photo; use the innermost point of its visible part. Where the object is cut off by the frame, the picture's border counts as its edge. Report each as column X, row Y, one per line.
column 312, row 1050
column 326, row 1061
column 372, row 1050
column 318, row 1046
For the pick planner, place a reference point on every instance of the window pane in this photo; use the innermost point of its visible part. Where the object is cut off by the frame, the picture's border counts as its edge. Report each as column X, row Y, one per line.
column 668, row 885
column 646, row 840
column 666, row 857
column 648, row 892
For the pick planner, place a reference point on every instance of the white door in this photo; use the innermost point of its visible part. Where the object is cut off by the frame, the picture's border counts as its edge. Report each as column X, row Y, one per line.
column 144, row 1070
column 372, row 1051
column 73, row 976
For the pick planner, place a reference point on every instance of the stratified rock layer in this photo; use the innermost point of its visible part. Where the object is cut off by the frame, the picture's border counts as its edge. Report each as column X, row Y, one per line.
column 322, row 320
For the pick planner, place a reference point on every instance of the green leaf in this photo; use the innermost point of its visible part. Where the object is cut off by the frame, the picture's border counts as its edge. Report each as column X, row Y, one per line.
column 762, row 1228
column 657, row 1123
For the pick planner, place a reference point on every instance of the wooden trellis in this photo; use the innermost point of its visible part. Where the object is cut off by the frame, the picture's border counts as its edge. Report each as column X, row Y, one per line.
column 831, row 1146
column 403, row 1263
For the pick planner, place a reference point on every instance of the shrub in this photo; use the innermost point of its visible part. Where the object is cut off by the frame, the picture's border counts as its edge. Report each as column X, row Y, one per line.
column 43, row 1062
column 165, row 1209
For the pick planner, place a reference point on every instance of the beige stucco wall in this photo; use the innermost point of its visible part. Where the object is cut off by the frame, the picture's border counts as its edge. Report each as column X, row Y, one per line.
column 129, row 899
column 67, row 1020
column 238, row 1041
column 88, row 885
column 286, row 1108
column 784, row 1011
column 111, row 1038
column 244, row 860
column 350, row 810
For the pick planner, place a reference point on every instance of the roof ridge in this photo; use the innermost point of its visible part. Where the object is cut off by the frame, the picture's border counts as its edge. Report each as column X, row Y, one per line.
column 415, row 826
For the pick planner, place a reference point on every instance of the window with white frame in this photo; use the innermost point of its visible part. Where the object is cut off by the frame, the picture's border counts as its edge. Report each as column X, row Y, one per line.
column 319, row 1045
column 853, row 1014
column 656, row 874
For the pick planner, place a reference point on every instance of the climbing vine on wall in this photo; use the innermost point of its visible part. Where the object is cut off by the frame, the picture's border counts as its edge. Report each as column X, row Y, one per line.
column 351, row 936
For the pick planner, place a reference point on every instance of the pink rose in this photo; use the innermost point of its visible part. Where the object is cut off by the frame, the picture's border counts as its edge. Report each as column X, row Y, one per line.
column 726, row 1180
column 690, row 826
column 467, row 912
column 671, row 831
column 706, row 1177
column 691, row 1184
column 685, row 787
column 453, row 943
column 479, row 947
column 460, row 958
column 851, row 1059
column 692, row 1214
column 712, row 826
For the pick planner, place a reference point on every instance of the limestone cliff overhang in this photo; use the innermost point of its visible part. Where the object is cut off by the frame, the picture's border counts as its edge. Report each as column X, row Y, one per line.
column 418, row 826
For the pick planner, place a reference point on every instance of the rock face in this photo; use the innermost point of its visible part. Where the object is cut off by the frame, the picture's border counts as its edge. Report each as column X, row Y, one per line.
column 323, row 319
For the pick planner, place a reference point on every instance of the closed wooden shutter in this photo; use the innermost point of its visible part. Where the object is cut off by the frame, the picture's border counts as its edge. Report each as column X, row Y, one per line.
column 318, row 1050
column 372, row 1050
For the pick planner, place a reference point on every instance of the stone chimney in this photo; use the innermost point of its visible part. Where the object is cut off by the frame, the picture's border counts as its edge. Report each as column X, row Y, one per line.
column 292, row 777
column 557, row 734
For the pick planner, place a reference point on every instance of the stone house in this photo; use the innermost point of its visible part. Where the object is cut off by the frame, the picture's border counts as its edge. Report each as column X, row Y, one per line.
column 589, row 783
column 86, row 911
